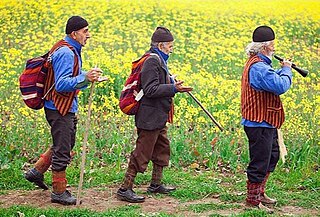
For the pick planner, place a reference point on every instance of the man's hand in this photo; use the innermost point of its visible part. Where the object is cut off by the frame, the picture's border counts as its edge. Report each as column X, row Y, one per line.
column 180, row 88
column 286, row 62
column 103, row 78
column 94, row 74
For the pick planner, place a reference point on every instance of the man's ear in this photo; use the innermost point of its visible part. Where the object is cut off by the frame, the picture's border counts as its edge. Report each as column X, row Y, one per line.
column 73, row 35
column 160, row 45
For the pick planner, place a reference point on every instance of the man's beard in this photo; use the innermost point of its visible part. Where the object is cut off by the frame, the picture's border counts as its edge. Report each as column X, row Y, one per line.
column 270, row 54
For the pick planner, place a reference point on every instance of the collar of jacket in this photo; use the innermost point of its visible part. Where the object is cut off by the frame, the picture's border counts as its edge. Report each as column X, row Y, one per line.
column 74, row 44
column 162, row 54
column 163, row 64
column 265, row 58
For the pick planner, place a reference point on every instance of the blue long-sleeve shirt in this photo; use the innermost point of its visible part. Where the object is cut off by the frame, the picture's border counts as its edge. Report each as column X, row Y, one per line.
column 62, row 62
column 263, row 77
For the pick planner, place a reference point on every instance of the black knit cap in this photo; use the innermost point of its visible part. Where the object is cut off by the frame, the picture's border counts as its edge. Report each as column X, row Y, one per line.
column 75, row 23
column 262, row 34
column 162, row 34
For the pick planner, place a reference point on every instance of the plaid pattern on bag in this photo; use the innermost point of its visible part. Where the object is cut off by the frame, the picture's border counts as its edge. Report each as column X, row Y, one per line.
column 33, row 81
column 128, row 102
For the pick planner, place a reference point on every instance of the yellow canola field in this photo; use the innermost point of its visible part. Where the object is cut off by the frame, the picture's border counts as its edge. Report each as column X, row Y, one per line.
column 210, row 37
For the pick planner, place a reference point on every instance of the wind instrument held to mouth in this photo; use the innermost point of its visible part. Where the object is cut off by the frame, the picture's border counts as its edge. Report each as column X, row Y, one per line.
column 302, row 72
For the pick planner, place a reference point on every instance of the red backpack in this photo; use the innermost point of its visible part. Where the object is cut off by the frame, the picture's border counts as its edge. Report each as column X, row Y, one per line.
column 33, row 78
column 132, row 92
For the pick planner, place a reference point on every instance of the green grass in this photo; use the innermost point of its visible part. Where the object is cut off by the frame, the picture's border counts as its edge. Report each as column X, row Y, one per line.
column 199, row 208
column 221, row 166
column 192, row 185
column 125, row 211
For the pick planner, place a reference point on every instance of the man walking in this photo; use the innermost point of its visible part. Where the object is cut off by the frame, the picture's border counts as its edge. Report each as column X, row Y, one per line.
column 156, row 108
column 61, row 105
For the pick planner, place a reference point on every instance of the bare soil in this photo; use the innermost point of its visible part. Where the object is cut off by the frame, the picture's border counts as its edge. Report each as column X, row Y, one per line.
column 102, row 199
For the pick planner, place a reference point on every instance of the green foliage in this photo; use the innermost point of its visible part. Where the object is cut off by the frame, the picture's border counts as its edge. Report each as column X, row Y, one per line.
column 229, row 189
column 199, row 208
column 209, row 40
column 28, row 211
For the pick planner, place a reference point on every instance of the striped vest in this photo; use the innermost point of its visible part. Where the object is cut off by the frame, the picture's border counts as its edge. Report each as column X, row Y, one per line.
column 259, row 106
column 62, row 100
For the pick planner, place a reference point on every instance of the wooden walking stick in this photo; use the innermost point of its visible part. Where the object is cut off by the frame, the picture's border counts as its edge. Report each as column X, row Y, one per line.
column 203, row 108
column 206, row 111
column 85, row 139
column 84, row 146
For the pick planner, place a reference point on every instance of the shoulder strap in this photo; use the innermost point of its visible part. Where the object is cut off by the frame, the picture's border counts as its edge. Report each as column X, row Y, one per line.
column 155, row 55
column 49, row 86
column 56, row 46
column 60, row 44
column 164, row 66
column 252, row 60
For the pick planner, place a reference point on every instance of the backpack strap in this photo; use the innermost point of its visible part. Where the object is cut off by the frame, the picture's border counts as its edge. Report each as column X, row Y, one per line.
column 62, row 101
column 49, row 85
column 155, row 55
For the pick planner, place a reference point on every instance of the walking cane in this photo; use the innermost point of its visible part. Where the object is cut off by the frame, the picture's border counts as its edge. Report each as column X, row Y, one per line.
column 84, row 146
column 85, row 139
column 206, row 111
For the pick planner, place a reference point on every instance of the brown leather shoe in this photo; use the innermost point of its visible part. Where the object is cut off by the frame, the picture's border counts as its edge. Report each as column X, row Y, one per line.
column 161, row 189
column 265, row 200
column 129, row 195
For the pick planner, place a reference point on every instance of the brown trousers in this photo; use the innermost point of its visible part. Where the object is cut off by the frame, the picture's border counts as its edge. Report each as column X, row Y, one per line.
column 150, row 145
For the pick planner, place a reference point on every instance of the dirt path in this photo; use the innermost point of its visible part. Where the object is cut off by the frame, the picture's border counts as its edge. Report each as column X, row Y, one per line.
column 97, row 199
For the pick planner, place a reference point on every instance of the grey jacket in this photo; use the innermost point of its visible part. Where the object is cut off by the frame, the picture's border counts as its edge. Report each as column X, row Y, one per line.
column 158, row 92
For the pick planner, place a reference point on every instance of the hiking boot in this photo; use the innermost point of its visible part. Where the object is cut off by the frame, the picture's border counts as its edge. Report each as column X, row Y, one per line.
column 36, row 177
column 161, row 189
column 261, row 207
column 129, row 195
column 65, row 198
column 265, row 200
